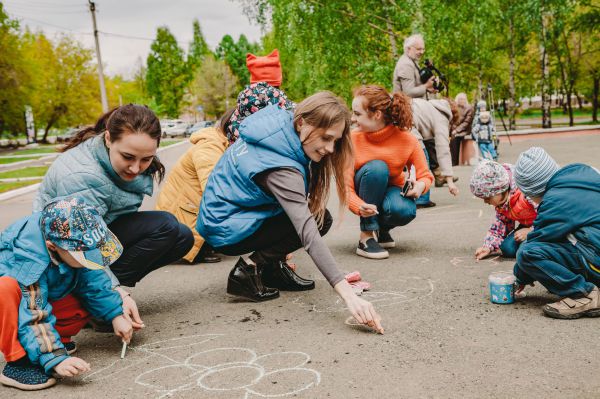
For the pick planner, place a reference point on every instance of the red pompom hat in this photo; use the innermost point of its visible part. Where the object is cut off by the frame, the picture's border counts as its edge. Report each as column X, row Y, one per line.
column 265, row 69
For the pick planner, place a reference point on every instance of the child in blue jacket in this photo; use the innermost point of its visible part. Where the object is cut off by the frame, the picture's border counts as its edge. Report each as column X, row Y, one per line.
column 44, row 257
column 563, row 250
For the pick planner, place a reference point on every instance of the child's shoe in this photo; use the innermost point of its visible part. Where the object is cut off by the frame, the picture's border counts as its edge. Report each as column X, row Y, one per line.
column 25, row 376
column 574, row 308
column 70, row 347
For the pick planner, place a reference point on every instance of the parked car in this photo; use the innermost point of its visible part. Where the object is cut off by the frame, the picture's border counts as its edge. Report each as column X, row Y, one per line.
column 197, row 126
column 173, row 128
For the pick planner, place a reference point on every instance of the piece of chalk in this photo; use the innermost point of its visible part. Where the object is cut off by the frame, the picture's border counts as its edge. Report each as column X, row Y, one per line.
column 123, row 350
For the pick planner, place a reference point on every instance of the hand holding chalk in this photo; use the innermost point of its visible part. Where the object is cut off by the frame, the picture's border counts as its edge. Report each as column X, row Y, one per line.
column 368, row 210
column 123, row 328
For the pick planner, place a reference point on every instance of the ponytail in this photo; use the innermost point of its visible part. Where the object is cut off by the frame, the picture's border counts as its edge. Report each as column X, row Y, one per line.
column 396, row 108
column 130, row 118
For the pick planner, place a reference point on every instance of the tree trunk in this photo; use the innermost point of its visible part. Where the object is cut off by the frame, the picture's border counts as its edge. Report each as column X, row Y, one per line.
column 595, row 98
column 511, row 83
column 546, row 116
column 579, row 101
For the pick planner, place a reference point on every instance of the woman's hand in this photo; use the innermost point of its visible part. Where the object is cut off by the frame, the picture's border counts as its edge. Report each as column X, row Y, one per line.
column 122, row 328
column 363, row 311
column 368, row 210
column 130, row 309
column 71, row 367
column 416, row 190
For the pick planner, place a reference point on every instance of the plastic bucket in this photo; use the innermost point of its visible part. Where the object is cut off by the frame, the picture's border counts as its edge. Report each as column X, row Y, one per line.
column 502, row 287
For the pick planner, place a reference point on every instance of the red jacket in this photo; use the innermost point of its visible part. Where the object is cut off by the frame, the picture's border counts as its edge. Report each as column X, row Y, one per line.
column 519, row 209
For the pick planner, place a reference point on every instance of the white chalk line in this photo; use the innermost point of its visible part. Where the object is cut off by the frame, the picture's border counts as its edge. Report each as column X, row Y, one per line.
column 200, row 372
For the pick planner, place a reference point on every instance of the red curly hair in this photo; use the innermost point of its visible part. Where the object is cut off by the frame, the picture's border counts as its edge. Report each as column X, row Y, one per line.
column 395, row 108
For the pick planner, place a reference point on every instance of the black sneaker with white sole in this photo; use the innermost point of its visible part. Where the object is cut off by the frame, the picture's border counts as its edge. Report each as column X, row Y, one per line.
column 371, row 249
column 385, row 239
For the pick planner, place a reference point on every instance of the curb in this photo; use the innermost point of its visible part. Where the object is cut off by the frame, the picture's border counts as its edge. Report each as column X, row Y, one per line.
column 28, row 189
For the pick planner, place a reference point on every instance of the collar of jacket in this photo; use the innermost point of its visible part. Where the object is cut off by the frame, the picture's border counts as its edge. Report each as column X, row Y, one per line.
column 383, row 134
column 141, row 184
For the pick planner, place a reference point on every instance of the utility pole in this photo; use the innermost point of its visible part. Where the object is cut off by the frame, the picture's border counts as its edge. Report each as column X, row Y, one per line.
column 100, row 71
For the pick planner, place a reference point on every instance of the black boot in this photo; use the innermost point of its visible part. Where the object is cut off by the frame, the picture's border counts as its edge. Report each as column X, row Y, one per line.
column 207, row 255
column 280, row 275
column 244, row 281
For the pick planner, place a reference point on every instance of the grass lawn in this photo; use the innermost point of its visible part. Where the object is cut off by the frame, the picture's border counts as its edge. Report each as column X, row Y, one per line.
column 4, row 161
column 48, row 149
column 4, row 187
column 32, row 171
column 556, row 113
column 166, row 143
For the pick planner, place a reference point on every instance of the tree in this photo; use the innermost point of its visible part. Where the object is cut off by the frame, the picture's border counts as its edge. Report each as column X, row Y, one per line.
column 234, row 55
column 166, row 76
column 13, row 76
column 198, row 49
column 64, row 83
column 214, row 87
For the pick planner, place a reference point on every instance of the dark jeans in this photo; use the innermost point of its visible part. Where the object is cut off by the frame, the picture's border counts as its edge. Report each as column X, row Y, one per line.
column 455, row 144
column 425, row 198
column 510, row 246
column 371, row 184
column 150, row 240
column 559, row 267
column 274, row 239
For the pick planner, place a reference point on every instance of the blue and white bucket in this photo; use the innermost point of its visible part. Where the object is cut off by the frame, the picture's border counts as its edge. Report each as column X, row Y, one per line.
column 502, row 287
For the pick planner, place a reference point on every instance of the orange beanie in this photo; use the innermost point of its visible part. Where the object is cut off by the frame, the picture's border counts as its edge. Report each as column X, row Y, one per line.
column 265, row 69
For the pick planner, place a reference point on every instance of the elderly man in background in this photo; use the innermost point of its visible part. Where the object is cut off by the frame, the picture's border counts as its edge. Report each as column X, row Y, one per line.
column 406, row 74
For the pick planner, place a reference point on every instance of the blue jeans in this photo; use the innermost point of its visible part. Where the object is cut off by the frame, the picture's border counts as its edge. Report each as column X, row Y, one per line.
column 371, row 184
column 559, row 267
column 487, row 151
column 425, row 198
column 510, row 246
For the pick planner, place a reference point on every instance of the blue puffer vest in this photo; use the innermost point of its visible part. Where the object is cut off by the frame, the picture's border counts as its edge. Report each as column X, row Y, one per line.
column 233, row 206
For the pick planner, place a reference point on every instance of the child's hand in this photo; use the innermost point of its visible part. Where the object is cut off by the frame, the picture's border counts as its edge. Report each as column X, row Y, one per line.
column 482, row 252
column 521, row 234
column 71, row 367
column 123, row 328
column 452, row 188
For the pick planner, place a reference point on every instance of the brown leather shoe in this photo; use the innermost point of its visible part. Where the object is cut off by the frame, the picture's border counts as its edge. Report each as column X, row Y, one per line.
column 574, row 308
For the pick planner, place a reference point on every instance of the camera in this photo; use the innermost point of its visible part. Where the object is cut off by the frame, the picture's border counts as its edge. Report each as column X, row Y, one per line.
column 430, row 70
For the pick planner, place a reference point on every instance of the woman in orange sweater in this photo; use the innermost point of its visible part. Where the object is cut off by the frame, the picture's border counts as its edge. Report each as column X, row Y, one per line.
column 383, row 147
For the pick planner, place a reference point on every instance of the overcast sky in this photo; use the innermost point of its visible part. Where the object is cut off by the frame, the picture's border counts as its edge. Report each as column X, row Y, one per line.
column 134, row 18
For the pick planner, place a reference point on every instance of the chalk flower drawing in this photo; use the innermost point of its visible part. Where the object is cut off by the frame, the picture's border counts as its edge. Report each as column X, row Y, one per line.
column 236, row 372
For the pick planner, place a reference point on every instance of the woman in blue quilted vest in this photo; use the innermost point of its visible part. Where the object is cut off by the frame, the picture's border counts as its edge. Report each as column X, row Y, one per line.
column 267, row 196
column 112, row 165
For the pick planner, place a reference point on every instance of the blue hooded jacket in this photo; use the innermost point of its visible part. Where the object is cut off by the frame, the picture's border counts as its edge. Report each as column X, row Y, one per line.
column 24, row 257
column 570, row 211
column 233, row 206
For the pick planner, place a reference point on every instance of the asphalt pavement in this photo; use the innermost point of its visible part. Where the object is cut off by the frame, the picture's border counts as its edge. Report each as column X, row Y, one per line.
column 443, row 338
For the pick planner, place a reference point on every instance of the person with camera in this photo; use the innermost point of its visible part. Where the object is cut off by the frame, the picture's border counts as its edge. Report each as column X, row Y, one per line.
column 407, row 74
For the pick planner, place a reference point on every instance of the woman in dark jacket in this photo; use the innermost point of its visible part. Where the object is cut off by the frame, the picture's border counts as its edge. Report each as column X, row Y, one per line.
column 462, row 126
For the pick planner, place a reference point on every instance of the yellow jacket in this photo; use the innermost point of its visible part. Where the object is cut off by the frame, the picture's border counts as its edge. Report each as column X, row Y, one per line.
column 183, row 188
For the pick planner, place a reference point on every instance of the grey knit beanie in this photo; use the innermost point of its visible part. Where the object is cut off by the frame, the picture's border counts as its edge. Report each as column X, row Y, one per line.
column 533, row 171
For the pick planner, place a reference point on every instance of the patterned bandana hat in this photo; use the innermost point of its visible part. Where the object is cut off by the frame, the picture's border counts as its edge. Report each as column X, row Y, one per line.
column 254, row 97
column 489, row 178
column 78, row 228
column 533, row 171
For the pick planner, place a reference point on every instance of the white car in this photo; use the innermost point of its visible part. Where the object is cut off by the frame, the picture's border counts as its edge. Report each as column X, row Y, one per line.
column 173, row 128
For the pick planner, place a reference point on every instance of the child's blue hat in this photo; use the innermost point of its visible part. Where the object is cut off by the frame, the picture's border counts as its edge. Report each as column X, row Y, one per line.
column 78, row 228
column 533, row 171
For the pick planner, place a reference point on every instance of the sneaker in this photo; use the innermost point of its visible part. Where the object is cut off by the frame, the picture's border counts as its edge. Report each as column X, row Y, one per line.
column 26, row 378
column 371, row 249
column 429, row 204
column 385, row 240
column 70, row 347
column 574, row 308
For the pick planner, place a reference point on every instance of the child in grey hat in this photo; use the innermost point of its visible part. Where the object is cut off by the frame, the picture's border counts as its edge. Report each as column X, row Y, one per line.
column 563, row 250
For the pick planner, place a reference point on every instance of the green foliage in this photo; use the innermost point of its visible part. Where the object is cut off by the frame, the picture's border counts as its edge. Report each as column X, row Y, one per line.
column 198, row 49
column 234, row 54
column 214, row 87
column 166, row 76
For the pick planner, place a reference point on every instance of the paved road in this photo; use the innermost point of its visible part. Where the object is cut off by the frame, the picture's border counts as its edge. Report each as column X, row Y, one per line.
column 444, row 339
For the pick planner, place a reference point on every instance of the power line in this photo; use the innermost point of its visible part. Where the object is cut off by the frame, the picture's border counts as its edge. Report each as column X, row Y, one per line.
column 49, row 24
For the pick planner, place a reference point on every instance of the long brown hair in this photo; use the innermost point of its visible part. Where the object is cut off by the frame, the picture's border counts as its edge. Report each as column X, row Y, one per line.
column 322, row 111
column 396, row 108
column 130, row 118
column 225, row 121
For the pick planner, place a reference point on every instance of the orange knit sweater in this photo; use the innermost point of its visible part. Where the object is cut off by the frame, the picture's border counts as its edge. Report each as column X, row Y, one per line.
column 397, row 148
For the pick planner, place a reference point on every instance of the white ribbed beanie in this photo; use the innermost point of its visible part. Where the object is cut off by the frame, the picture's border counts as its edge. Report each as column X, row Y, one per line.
column 533, row 171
